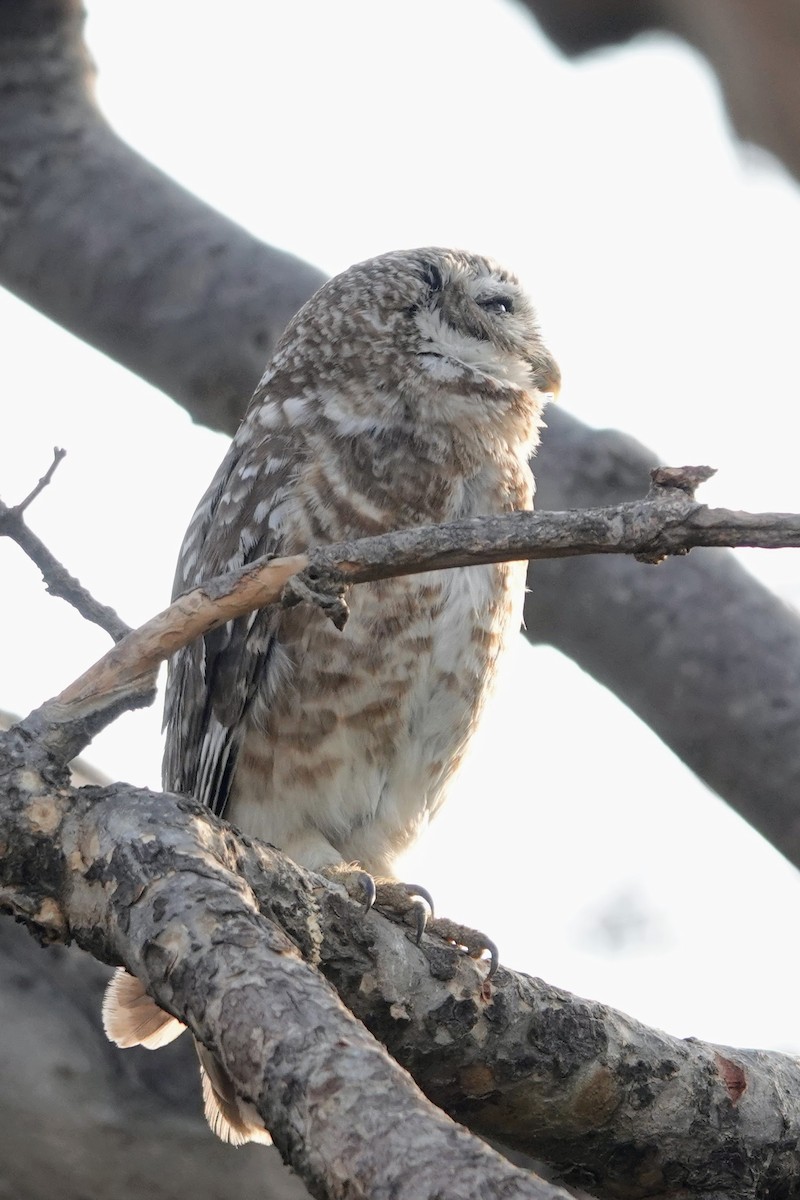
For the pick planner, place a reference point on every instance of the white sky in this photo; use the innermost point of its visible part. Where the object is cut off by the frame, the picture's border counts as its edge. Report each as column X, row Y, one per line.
column 664, row 262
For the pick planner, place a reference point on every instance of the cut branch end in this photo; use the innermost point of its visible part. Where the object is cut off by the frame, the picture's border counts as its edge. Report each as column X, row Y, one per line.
column 683, row 479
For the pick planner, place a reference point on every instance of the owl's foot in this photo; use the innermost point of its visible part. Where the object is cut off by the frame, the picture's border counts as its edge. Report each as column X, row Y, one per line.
column 402, row 900
column 387, row 895
column 471, row 940
column 321, row 587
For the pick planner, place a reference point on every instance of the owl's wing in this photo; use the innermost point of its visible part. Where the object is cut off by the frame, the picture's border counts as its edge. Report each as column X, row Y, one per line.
column 213, row 682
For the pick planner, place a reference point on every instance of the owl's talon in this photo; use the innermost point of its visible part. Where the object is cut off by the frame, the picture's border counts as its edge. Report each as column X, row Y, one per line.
column 415, row 889
column 370, row 891
column 407, row 902
column 359, row 885
column 321, row 588
column 422, row 920
column 472, row 940
column 494, row 958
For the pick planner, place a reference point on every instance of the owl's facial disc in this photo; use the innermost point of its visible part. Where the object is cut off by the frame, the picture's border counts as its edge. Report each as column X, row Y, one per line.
column 474, row 318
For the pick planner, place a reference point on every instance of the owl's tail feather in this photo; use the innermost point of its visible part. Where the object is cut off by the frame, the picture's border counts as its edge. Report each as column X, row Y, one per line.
column 132, row 1018
column 231, row 1118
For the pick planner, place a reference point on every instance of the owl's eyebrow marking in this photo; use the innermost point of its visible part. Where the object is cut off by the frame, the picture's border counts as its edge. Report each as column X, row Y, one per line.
column 432, row 276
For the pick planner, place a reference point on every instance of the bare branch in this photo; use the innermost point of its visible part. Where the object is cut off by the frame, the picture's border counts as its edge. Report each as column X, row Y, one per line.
column 177, row 911
column 58, row 455
column 669, row 523
column 733, row 717
column 57, row 579
column 104, row 1124
column 218, row 927
column 131, row 665
column 82, row 773
column 752, row 48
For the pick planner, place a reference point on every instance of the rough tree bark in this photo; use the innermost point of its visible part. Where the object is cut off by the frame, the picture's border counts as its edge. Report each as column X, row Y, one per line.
column 623, row 1110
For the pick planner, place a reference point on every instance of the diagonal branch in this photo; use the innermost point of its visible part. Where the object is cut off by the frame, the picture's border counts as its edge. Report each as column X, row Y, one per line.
column 141, row 878
column 668, row 522
column 226, row 931
column 752, row 48
column 700, row 650
column 100, row 240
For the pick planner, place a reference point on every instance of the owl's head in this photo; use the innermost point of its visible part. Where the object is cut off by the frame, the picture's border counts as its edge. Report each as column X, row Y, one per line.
column 416, row 336
column 469, row 316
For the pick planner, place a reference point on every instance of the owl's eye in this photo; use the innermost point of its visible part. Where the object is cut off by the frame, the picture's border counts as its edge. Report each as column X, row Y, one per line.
column 497, row 304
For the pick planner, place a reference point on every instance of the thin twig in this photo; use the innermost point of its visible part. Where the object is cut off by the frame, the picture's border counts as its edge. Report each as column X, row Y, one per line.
column 57, row 579
column 58, row 455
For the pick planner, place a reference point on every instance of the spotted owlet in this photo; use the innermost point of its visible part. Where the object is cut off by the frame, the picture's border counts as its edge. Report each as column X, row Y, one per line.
column 407, row 391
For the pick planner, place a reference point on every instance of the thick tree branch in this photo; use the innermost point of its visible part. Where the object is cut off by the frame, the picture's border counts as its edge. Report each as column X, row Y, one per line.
column 216, row 925
column 109, row 1124
column 752, row 48
column 135, row 877
column 101, row 1123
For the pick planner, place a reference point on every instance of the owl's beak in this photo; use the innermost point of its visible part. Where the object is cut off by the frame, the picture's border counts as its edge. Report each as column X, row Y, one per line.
column 553, row 386
column 546, row 374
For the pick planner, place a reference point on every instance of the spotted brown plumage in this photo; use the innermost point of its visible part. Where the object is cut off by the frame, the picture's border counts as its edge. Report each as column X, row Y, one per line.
column 407, row 391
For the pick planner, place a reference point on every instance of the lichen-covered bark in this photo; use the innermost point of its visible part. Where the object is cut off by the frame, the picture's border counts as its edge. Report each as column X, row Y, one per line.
column 107, row 1124
column 78, row 1116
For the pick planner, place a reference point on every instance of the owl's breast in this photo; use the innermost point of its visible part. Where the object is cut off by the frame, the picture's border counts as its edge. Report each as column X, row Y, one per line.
column 441, row 636
column 356, row 749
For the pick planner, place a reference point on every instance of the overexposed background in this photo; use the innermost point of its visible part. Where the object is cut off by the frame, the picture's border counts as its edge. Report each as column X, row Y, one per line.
column 664, row 261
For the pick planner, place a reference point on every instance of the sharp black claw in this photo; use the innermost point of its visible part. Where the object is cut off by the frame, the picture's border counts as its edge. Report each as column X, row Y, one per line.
column 415, row 889
column 370, row 892
column 494, row 958
column 422, row 920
